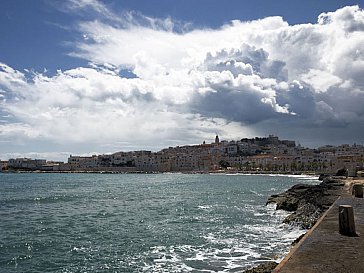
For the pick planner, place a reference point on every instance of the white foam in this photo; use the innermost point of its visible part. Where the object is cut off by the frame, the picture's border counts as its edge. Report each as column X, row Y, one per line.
column 234, row 247
column 204, row 207
column 256, row 193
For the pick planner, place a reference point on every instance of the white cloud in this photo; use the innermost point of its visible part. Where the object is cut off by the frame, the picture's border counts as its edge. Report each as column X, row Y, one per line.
column 18, row 131
column 57, row 156
column 348, row 19
column 192, row 84
column 86, row 104
column 96, row 6
column 320, row 80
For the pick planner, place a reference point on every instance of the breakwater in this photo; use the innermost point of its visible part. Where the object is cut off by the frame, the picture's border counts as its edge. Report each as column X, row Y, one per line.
column 306, row 204
column 325, row 248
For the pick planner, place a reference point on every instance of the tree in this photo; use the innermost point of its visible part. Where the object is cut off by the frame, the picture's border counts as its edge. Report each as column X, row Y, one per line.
column 224, row 164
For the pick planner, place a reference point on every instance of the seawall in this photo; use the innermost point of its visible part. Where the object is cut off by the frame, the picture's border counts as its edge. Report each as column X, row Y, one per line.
column 323, row 248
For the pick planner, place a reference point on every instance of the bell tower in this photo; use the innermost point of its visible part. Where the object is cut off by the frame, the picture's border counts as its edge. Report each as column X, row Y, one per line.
column 217, row 140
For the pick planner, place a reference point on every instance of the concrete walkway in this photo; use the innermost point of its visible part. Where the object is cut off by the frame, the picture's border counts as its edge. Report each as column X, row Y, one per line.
column 323, row 249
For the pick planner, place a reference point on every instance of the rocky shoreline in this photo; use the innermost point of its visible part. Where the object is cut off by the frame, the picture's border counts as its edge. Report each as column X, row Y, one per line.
column 307, row 204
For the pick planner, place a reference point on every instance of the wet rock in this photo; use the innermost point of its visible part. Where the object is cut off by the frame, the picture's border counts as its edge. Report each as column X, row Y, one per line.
column 323, row 176
column 342, row 172
column 307, row 202
column 298, row 239
column 267, row 267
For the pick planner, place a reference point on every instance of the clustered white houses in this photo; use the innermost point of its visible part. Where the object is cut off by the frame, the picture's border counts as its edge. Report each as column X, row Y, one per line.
column 266, row 154
column 26, row 163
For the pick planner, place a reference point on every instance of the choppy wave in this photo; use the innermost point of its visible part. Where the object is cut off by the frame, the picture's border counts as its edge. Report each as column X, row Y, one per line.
column 247, row 246
column 141, row 223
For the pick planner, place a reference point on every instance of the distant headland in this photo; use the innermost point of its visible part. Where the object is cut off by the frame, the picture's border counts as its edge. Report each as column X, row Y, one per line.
column 251, row 155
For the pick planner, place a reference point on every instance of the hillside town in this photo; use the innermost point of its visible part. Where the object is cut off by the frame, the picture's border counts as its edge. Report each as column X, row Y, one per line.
column 252, row 155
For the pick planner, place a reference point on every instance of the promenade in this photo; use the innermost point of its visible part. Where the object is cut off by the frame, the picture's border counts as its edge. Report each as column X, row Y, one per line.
column 324, row 249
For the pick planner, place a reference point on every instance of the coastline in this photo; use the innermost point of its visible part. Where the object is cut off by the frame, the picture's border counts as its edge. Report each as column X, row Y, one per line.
column 308, row 173
column 309, row 204
column 326, row 249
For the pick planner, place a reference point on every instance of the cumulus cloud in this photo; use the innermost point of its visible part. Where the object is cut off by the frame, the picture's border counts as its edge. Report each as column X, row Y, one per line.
column 98, row 106
column 242, row 79
column 347, row 19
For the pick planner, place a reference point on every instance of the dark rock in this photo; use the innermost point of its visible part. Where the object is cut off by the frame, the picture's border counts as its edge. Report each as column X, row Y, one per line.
column 322, row 176
column 307, row 202
column 333, row 181
column 298, row 239
column 342, row 172
column 289, row 204
column 305, row 216
column 267, row 267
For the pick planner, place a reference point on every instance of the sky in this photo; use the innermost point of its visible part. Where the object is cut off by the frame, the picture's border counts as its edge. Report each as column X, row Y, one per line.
column 89, row 76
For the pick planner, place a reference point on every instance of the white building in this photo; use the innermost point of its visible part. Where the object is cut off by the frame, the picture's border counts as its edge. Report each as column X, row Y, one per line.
column 26, row 163
column 83, row 161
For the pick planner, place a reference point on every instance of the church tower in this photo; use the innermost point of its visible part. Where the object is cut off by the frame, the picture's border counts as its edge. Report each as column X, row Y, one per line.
column 217, row 140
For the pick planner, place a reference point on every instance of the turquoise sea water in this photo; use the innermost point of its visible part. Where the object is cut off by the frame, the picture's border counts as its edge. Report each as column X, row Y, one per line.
column 140, row 222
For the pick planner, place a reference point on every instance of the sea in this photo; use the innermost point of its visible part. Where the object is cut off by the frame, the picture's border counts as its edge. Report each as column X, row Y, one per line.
column 168, row 222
